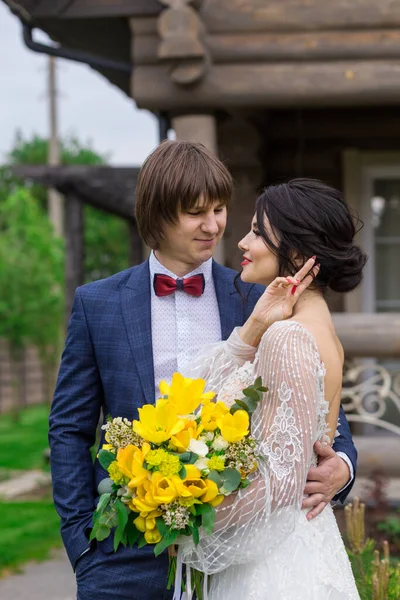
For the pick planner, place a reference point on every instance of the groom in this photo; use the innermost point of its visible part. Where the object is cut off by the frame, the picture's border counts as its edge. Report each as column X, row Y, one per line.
column 128, row 332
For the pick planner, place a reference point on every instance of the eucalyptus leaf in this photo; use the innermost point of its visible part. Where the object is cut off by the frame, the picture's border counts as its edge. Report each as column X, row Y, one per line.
column 105, row 486
column 231, row 479
column 215, row 477
column 103, row 502
column 103, row 531
column 252, row 393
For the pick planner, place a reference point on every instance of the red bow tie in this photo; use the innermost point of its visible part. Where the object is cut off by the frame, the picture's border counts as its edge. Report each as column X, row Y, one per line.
column 164, row 285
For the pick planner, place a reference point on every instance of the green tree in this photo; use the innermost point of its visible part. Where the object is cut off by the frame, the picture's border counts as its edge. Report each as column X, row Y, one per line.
column 31, row 282
column 106, row 236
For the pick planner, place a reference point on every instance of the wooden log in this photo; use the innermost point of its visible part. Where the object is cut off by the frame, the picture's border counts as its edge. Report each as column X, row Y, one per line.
column 297, row 15
column 74, row 246
column 65, row 9
column 338, row 83
column 369, row 335
column 272, row 46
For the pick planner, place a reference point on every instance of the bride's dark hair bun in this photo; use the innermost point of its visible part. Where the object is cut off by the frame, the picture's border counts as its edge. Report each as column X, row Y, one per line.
column 308, row 218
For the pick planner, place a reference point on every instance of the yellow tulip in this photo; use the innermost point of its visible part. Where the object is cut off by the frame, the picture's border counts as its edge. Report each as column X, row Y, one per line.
column 153, row 536
column 185, row 394
column 211, row 413
column 211, row 491
column 158, row 423
column 193, row 484
column 181, row 440
column 144, row 502
column 217, row 500
column 130, row 462
column 140, row 524
column 163, row 488
column 234, row 427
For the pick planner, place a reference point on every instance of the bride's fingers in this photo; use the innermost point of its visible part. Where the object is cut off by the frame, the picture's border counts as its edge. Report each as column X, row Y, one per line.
column 308, row 280
column 305, row 269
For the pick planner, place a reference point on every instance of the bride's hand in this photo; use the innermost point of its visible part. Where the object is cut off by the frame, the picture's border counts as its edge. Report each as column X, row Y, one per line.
column 277, row 302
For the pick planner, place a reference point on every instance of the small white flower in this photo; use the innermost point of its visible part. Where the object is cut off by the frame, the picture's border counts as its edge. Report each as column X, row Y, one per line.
column 198, row 447
column 219, row 443
column 202, row 464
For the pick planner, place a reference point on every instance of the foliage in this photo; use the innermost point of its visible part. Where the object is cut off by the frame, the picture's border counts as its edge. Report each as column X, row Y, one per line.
column 29, row 530
column 106, row 236
column 31, row 275
column 22, row 444
column 376, row 578
column 391, row 526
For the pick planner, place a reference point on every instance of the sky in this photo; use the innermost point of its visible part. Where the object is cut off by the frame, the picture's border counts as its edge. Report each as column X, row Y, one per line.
column 89, row 107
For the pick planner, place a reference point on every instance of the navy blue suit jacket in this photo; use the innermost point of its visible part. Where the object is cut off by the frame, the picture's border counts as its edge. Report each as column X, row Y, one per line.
column 107, row 365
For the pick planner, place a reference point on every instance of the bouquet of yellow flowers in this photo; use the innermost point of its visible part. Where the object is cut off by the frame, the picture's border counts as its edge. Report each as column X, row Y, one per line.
column 171, row 468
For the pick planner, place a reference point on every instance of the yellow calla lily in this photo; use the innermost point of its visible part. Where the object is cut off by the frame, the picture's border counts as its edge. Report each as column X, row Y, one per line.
column 185, row 394
column 211, row 413
column 234, row 427
column 158, row 423
column 130, row 462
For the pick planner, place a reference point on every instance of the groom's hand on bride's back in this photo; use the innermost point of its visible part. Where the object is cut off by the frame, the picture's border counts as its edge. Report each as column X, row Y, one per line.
column 324, row 481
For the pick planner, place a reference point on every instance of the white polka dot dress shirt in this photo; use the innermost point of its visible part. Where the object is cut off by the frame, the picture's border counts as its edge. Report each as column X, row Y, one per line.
column 181, row 325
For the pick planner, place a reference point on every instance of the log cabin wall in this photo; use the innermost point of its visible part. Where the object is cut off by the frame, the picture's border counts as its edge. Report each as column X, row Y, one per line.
column 271, row 146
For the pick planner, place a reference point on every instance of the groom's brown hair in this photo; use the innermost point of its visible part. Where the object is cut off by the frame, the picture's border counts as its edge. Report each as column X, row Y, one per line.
column 172, row 179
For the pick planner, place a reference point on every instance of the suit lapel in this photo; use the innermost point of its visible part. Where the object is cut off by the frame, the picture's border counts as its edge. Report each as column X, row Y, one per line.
column 229, row 301
column 136, row 311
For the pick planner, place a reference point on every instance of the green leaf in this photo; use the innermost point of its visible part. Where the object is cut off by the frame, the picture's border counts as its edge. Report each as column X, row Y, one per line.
column 105, row 486
column 244, row 483
column 258, row 381
column 208, row 519
column 161, row 526
column 231, row 479
column 167, row 540
column 103, row 531
column 106, row 458
column 141, row 541
column 251, row 393
column 242, row 405
column 103, row 502
column 188, row 458
column 215, row 477
column 122, row 513
column 182, row 473
column 132, row 533
column 196, row 535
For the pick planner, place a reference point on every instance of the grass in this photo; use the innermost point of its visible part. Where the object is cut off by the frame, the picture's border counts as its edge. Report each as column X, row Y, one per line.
column 29, row 530
column 22, row 443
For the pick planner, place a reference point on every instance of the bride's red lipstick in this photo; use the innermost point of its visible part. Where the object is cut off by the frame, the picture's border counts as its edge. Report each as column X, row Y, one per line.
column 246, row 261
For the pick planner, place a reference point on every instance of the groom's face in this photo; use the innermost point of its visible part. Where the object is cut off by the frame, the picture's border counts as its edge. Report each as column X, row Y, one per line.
column 192, row 239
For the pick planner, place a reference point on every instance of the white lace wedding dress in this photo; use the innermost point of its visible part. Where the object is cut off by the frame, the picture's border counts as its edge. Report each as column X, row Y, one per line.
column 263, row 547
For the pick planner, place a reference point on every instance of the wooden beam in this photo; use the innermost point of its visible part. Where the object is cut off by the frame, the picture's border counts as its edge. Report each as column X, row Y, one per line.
column 111, row 189
column 298, row 15
column 369, row 335
column 273, row 47
column 81, row 9
column 74, row 246
column 288, row 84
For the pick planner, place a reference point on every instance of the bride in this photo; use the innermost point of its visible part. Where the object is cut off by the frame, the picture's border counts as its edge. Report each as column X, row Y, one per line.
column 263, row 546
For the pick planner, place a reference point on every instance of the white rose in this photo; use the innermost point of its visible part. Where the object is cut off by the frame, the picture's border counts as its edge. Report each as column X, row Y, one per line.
column 198, row 447
column 202, row 464
column 219, row 443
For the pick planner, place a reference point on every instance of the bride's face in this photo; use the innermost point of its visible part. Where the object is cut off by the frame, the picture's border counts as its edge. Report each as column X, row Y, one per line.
column 260, row 264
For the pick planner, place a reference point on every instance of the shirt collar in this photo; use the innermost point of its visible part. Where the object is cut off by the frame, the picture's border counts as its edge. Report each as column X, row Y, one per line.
column 156, row 267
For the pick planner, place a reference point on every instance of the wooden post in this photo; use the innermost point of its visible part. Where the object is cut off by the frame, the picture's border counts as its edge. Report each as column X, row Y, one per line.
column 135, row 245
column 74, row 245
column 203, row 129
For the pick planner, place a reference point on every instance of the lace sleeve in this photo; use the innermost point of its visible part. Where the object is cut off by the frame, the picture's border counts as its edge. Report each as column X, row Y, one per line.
column 259, row 518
